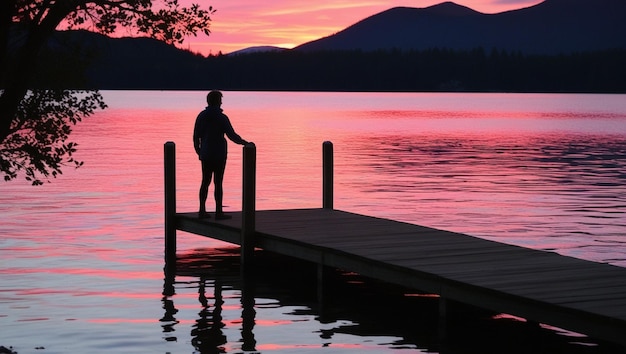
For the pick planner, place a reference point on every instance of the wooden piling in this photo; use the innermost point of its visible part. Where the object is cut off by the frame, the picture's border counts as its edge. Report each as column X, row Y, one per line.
column 321, row 275
column 327, row 172
column 327, row 203
column 169, row 152
column 248, row 206
column 442, row 325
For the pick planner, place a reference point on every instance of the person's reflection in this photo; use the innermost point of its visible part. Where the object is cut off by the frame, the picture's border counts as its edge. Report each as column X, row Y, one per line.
column 168, row 320
column 207, row 335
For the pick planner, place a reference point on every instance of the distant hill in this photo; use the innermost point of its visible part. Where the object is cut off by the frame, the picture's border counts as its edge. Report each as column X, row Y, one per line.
column 129, row 62
column 257, row 49
column 446, row 47
column 551, row 27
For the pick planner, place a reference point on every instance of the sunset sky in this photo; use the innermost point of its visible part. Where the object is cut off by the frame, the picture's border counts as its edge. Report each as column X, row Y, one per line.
column 239, row 24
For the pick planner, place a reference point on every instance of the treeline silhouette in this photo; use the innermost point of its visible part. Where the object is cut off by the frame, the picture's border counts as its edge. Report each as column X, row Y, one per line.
column 429, row 70
column 475, row 70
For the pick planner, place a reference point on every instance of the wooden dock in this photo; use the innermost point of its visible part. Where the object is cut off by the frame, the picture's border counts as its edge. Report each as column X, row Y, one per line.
column 545, row 287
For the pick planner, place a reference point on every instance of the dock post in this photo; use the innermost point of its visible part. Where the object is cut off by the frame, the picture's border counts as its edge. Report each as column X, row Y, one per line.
column 327, row 172
column 327, row 203
column 169, row 152
column 248, row 207
column 322, row 274
column 442, row 325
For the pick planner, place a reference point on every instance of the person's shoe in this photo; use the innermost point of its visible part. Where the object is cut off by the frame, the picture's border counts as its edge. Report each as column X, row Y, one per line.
column 203, row 215
column 222, row 216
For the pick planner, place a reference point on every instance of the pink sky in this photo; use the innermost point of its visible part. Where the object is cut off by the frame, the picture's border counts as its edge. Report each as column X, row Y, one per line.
column 239, row 24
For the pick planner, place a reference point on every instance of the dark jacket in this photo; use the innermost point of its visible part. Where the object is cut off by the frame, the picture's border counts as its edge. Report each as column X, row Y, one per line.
column 208, row 134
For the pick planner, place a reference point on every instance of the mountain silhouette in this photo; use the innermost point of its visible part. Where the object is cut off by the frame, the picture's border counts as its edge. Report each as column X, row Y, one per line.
column 555, row 46
column 551, row 27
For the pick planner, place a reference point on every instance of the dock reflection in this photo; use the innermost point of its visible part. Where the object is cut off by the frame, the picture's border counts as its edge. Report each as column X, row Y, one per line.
column 213, row 269
column 237, row 314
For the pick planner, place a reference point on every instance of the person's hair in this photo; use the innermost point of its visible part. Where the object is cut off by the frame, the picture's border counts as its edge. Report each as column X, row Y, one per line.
column 214, row 98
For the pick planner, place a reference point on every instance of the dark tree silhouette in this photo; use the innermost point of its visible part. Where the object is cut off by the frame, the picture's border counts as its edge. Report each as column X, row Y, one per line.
column 35, row 122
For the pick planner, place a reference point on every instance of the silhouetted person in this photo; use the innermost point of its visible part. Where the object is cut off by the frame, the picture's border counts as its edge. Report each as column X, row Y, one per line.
column 211, row 146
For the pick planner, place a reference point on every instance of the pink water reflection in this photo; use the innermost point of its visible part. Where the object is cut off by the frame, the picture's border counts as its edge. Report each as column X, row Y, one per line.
column 543, row 171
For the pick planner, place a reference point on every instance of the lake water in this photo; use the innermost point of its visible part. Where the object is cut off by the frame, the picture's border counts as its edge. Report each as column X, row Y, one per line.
column 82, row 257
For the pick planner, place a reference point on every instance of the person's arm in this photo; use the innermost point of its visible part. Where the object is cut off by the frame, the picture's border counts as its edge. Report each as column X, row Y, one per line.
column 196, row 136
column 230, row 132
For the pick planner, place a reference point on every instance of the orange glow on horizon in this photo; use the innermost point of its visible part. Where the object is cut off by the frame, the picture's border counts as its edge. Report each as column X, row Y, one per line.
column 242, row 24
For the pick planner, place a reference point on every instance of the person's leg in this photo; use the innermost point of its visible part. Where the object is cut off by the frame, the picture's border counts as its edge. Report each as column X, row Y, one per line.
column 207, row 172
column 219, row 189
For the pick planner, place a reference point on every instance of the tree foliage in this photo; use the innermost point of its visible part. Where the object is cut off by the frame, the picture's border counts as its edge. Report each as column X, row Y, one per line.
column 37, row 144
column 35, row 122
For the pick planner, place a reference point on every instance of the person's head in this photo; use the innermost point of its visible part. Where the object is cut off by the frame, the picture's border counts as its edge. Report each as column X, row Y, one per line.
column 214, row 98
